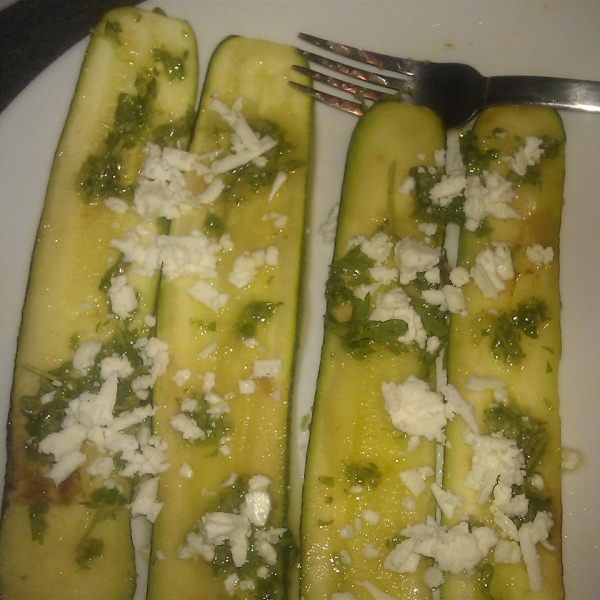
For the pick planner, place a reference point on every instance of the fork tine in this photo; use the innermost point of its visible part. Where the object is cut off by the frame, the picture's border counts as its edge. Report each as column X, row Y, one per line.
column 387, row 81
column 351, row 88
column 405, row 66
column 354, row 108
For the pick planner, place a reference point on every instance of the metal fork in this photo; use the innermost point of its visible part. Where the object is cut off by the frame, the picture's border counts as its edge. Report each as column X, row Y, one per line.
column 455, row 91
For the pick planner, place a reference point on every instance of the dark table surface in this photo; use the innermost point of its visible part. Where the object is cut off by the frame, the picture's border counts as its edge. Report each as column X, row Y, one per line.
column 34, row 33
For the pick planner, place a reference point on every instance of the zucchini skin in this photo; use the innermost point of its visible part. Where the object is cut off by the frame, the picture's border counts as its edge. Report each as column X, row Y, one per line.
column 63, row 301
column 255, row 71
column 349, row 424
column 532, row 383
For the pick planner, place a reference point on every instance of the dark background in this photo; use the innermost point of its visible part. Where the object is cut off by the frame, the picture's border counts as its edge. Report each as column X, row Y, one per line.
column 34, row 33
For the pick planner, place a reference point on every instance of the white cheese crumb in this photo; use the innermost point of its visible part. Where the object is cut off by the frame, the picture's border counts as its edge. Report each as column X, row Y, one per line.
column 459, row 276
column 446, row 500
column 395, row 304
column 415, row 409
column 571, row 459
column 85, row 355
column 413, row 257
column 407, row 186
column 181, row 377
column 433, row 577
column 538, row 255
column 492, row 197
column 269, row 368
column 186, row 471
column 493, row 267
column 208, row 295
column 527, row 155
column 187, row 427
column 370, row 517
column 145, row 503
column 247, row 386
column 507, row 552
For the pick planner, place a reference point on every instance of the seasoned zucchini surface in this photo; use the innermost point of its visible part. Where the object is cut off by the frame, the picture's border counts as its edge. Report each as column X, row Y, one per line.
column 65, row 530
column 222, row 531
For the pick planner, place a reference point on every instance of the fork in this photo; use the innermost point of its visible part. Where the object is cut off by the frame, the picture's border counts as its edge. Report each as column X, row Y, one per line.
column 457, row 92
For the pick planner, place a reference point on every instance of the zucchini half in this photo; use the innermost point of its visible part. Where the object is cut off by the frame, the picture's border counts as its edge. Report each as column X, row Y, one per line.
column 354, row 503
column 235, row 339
column 71, row 538
column 503, row 358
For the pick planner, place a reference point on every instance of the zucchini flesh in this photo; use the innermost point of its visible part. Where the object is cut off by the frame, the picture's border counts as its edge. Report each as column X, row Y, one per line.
column 124, row 88
column 251, row 437
column 353, row 502
column 530, row 380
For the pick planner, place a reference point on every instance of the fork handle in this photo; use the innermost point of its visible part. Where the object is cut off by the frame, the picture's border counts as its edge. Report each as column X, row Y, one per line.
column 546, row 91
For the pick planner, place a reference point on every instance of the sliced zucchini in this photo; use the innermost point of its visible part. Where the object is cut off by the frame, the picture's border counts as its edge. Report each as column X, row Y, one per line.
column 503, row 358
column 224, row 402
column 355, row 503
column 64, row 534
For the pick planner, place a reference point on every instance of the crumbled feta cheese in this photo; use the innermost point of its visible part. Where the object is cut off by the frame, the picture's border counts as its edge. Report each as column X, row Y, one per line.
column 493, row 267
column 497, row 460
column 415, row 409
column 370, row 516
column 395, row 304
column 414, row 479
column 247, row 386
column 413, row 257
column 245, row 267
column 117, row 205
column 529, row 535
column 490, row 197
column 448, row 188
column 216, row 529
column 269, row 368
column 459, row 276
column 507, row 552
column 538, row 255
column 187, row 427
column 407, row 186
column 378, row 248
column 280, row 179
column 145, row 503
column 527, row 155
column 433, row 577
column 460, row 406
column 256, row 507
column 85, row 356
column 186, row 471
column 208, row 295
column 455, row 550
column 181, row 377
column 409, row 504
column 446, row 500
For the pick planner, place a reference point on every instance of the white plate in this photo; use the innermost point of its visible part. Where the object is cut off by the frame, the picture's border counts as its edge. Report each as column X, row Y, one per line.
column 545, row 38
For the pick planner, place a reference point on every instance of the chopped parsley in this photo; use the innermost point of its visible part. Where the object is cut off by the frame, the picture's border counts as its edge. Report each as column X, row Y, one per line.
column 506, row 329
column 66, row 383
column 475, row 159
column 428, row 210
column 252, row 314
column 174, row 65
column 104, row 503
column 248, row 179
column 100, row 175
column 362, row 335
column 37, row 519
column 366, row 475
column 529, row 433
